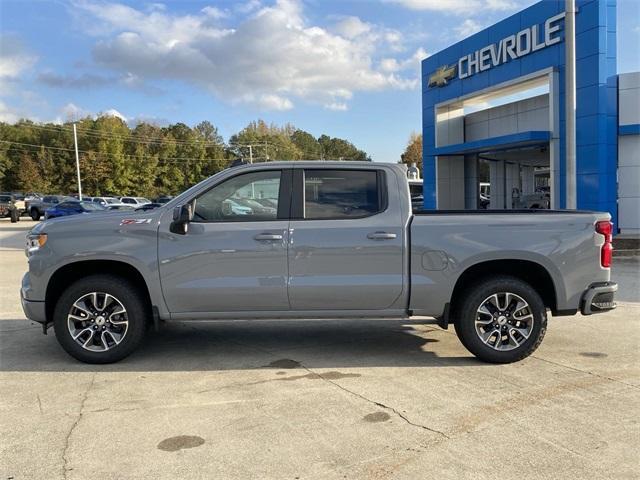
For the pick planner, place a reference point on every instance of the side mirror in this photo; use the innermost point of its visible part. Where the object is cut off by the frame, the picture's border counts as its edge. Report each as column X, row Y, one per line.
column 182, row 215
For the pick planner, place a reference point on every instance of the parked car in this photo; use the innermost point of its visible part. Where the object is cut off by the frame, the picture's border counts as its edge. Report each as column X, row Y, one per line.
column 120, row 206
column 231, row 207
column 38, row 207
column 104, row 201
column 30, row 197
column 17, row 204
column 415, row 190
column 163, row 199
column 10, row 207
column 134, row 200
column 343, row 243
column 72, row 207
column 255, row 206
column 147, row 206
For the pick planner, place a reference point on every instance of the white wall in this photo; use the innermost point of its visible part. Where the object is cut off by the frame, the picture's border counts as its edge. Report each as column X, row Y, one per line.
column 522, row 116
column 629, row 154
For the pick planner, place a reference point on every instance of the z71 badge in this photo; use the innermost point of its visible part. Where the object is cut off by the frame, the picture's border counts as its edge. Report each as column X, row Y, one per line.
column 135, row 221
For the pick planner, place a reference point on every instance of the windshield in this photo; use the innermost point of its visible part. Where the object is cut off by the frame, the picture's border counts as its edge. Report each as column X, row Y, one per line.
column 111, row 200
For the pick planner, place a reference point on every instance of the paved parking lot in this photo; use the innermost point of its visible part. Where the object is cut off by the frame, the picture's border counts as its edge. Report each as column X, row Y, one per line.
column 320, row 399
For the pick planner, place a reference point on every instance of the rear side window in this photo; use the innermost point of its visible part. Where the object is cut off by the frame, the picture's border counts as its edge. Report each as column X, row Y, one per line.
column 128, row 200
column 343, row 194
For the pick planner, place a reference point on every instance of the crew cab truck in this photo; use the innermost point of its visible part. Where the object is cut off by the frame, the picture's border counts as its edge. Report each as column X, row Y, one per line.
column 341, row 242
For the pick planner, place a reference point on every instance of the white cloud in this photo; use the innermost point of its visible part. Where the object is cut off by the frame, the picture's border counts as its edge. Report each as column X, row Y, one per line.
column 351, row 27
column 214, row 12
column 112, row 112
column 393, row 65
column 248, row 7
column 337, row 106
column 467, row 28
column 15, row 60
column 71, row 112
column 457, row 7
column 8, row 114
column 273, row 102
column 270, row 59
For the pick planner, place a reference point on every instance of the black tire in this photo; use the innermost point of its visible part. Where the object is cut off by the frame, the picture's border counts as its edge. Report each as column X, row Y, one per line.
column 465, row 313
column 35, row 214
column 15, row 216
column 128, row 295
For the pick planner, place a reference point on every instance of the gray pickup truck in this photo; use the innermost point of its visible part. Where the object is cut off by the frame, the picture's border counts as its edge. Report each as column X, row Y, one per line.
column 314, row 240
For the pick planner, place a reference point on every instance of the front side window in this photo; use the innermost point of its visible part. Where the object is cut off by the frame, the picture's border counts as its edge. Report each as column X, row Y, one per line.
column 341, row 194
column 128, row 200
column 249, row 197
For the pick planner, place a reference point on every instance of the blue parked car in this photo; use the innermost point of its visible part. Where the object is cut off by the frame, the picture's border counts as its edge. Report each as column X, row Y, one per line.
column 72, row 207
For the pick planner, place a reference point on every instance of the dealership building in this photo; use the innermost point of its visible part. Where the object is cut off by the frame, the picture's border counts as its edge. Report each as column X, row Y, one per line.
column 494, row 130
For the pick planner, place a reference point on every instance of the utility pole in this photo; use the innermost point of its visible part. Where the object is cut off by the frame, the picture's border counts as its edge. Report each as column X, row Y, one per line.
column 250, row 153
column 75, row 141
column 570, row 105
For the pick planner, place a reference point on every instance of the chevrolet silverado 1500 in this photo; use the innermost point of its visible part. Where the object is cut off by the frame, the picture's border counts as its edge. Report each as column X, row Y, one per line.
column 314, row 240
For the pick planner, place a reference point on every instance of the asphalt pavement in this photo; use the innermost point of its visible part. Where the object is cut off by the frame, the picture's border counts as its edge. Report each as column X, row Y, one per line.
column 298, row 399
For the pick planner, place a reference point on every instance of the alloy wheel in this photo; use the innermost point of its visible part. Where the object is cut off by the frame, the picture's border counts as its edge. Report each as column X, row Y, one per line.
column 97, row 321
column 504, row 321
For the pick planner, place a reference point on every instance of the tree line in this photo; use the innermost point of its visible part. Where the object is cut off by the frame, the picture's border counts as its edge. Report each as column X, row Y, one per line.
column 145, row 160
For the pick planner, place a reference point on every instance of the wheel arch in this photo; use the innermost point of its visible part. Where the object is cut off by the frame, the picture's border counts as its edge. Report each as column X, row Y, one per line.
column 534, row 273
column 71, row 272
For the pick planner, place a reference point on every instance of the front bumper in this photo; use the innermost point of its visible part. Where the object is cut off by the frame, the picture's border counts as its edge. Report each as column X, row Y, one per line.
column 599, row 297
column 33, row 309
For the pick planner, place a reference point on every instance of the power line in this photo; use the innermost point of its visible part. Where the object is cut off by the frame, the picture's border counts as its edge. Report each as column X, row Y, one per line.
column 134, row 138
column 159, row 158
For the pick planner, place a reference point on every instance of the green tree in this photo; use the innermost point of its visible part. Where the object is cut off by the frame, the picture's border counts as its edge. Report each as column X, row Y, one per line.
column 308, row 145
column 413, row 151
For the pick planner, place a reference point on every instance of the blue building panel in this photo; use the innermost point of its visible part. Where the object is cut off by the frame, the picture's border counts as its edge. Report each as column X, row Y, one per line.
column 596, row 95
column 591, row 43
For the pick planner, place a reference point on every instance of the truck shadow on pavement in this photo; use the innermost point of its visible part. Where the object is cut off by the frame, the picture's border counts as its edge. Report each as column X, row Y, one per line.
column 246, row 345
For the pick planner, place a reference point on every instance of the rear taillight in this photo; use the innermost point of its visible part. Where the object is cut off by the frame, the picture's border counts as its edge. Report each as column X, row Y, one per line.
column 606, row 252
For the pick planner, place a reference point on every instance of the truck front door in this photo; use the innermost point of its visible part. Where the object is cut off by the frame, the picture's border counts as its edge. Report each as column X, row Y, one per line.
column 346, row 242
column 234, row 254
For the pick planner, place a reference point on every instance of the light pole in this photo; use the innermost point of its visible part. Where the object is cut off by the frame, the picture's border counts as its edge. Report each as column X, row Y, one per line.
column 75, row 141
column 570, row 105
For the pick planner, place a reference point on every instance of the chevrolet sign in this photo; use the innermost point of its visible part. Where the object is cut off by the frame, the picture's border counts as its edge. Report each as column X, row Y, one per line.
column 509, row 48
column 441, row 76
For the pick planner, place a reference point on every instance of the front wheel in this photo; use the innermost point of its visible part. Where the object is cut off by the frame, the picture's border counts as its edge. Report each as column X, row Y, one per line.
column 35, row 214
column 100, row 319
column 15, row 216
column 502, row 320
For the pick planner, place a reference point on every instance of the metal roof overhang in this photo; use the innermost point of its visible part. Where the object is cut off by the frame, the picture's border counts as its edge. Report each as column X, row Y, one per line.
column 494, row 144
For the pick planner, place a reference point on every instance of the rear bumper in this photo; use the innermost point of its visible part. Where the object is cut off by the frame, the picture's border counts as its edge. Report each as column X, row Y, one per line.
column 599, row 297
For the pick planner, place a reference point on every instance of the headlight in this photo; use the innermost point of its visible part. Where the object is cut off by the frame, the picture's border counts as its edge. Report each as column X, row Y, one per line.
column 35, row 242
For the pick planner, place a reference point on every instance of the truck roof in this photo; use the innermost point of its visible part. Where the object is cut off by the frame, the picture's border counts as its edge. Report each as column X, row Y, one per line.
column 318, row 164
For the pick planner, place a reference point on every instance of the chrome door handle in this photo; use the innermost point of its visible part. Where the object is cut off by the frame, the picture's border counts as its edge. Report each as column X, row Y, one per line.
column 381, row 236
column 268, row 236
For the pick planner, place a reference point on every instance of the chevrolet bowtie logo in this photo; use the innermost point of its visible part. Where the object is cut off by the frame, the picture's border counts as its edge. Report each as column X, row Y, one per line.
column 440, row 76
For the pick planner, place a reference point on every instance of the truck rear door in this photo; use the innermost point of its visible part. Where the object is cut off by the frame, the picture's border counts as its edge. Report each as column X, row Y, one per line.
column 345, row 241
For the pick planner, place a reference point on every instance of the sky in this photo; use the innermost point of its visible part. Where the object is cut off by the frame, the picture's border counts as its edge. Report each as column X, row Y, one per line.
column 348, row 69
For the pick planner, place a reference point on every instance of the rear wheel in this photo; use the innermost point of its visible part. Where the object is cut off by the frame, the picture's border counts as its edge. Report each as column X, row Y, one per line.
column 35, row 214
column 100, row 319
column 502, row 320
